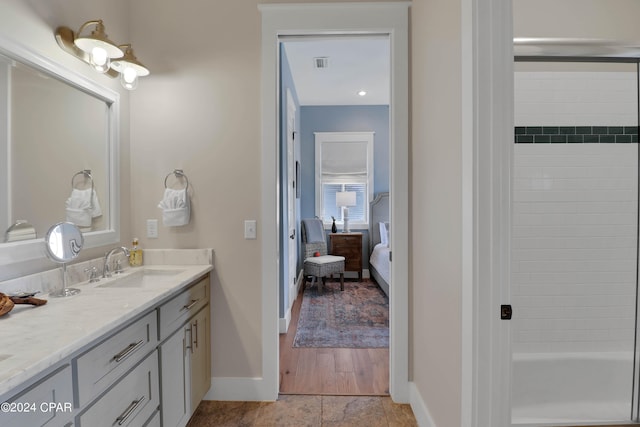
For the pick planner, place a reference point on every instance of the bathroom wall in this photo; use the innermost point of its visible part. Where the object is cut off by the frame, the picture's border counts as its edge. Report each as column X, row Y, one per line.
column 590, row 19
column 436, row 219
column 199, row 110
column 574, row 208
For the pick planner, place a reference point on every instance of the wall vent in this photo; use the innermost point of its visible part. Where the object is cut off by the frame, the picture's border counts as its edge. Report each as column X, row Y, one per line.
column 321, row 62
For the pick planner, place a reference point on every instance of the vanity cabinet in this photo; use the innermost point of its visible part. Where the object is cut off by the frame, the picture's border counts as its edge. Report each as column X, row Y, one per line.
column 200, row 357
column 131, row 402
column 26, row 408
column 103, row 364
column 185, row 358
column 150, row 371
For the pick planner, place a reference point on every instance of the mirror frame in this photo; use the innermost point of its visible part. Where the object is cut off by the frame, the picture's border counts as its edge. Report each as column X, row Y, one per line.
column 15, row 252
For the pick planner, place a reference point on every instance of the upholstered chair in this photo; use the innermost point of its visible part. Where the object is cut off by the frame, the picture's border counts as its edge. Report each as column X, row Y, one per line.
column 317, row 263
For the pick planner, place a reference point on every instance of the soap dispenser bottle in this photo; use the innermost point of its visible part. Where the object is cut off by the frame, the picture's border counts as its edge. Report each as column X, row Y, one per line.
column 135, row 254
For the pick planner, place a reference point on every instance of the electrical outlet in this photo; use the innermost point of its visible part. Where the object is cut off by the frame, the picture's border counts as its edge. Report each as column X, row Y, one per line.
column 250, row 229
column 152, row 228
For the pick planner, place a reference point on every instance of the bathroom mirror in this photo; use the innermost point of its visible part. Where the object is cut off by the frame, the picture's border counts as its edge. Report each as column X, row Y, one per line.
column 54, row 123
column 63, row 242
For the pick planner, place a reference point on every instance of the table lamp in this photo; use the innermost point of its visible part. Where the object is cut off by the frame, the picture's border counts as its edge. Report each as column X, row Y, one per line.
column 344, row 199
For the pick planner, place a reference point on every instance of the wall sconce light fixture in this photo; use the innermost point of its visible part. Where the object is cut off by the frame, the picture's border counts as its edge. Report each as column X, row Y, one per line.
column 101, row 53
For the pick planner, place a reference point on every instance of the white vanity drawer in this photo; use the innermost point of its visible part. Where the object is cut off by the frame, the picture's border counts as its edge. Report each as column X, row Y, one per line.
column 46, row 403
column 131, row 402
column 101, row 366
column 154, row 421
column 177, row 311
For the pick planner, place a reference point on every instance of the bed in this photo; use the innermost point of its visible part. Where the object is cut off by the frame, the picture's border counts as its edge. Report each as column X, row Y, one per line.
column 379, row 264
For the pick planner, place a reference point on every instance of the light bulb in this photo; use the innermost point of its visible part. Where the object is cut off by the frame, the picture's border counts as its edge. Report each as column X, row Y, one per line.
column 129, row 78
column 100, row 60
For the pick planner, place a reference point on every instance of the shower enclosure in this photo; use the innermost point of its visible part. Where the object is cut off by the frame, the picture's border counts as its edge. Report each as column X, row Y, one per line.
column 574, row 255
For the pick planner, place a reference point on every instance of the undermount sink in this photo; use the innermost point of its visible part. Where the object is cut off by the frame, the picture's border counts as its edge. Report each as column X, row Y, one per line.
column 162, row 271
column 144, row 278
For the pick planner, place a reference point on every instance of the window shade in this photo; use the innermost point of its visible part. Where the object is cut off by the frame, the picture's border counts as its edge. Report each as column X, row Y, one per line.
column 344, row 160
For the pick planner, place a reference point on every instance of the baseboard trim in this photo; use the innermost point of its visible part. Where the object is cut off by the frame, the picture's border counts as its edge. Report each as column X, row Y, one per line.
column 239, row 389
column 419, row 407
column 283, row 322
column 298, row 285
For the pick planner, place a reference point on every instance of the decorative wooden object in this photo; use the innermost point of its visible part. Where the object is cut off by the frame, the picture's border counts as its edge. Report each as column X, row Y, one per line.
column 6, row 305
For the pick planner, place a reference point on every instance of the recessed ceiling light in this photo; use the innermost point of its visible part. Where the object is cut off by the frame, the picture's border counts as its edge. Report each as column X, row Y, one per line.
column 362, row 92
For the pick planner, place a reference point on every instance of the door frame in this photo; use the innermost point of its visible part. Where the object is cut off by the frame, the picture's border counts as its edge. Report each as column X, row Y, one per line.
column 292, row 250
column 330, row 19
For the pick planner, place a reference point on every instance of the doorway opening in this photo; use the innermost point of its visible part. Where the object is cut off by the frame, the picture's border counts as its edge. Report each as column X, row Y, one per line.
column 383, row 19
column 334, row 142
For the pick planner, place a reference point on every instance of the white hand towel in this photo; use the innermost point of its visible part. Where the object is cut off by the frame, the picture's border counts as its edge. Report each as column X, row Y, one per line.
column 96, row 211
column 82, row 206
column 176, row 207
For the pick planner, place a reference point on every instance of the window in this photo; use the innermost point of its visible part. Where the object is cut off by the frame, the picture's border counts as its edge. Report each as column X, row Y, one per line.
column 344, row 162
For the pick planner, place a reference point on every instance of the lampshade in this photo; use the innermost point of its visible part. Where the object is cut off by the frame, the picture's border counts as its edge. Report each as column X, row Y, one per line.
column 129, row 60
column 345, row 198
column 97, row 39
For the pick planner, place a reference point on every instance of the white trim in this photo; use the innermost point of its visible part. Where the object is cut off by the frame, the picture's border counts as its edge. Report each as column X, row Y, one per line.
column 283, row 326
column 487, row 100
column 345, row 137
column 236, row 389
column 419, row 407
column 331, row 19
column 284, row 322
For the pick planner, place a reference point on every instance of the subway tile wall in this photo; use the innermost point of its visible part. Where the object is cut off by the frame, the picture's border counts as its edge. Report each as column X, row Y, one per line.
column 575, row 98
column 574, row 247
column 574, row 215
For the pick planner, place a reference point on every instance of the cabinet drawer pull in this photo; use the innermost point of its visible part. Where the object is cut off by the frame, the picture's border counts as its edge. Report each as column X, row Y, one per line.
column 190, row 345
column 195, row 340
column 127, row 351
column 127, row 413
column 188, row 306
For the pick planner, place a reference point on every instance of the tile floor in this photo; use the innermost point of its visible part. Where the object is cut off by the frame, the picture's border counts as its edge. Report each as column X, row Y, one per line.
column 310, row 411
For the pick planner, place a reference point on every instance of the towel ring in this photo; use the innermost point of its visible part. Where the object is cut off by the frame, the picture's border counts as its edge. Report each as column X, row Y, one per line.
column 87, row 174
column 179, row 174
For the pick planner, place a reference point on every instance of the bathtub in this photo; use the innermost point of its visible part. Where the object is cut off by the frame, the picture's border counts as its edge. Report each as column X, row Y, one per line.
column 570, row 388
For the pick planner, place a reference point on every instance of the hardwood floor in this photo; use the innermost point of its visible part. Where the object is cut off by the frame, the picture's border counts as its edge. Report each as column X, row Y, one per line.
column 331, row 371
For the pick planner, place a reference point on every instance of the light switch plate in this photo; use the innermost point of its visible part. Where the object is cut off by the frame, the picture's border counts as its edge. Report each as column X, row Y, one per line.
column 152, row 228
column 250, row 226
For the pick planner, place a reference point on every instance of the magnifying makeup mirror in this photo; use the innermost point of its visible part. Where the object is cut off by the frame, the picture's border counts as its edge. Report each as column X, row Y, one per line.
column 63, row 243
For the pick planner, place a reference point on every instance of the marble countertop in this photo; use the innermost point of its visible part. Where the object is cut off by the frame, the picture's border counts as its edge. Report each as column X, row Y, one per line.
column 33, row 339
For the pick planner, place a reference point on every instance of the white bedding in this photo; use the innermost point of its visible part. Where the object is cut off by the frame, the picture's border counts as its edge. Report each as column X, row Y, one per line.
column 380, row 260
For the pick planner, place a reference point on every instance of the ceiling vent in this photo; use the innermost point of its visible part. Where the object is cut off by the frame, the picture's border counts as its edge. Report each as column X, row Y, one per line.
column 321, row 62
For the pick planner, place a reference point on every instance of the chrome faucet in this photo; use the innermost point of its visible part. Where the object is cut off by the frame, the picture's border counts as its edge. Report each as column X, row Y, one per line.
column 106, row 272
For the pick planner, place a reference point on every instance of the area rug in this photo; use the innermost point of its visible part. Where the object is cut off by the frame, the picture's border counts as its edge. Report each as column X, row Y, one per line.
column 357, row 317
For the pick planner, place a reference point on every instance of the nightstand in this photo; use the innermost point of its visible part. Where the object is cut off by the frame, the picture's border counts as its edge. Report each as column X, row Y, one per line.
column 348, row 245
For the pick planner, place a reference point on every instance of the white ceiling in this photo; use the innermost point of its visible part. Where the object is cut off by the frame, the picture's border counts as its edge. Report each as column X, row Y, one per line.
column 355, row 63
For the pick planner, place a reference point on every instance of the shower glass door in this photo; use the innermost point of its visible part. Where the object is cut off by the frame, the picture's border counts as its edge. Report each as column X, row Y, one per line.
column 574, row 243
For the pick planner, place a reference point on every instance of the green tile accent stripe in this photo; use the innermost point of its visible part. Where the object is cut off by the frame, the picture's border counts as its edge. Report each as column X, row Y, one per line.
column 576, row 135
